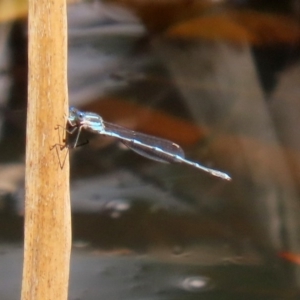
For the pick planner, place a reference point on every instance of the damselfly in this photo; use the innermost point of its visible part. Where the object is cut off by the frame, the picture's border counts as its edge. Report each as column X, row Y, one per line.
column 146, row 145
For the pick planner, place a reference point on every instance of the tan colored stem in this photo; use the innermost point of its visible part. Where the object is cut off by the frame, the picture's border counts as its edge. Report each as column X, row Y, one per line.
column 47, row 207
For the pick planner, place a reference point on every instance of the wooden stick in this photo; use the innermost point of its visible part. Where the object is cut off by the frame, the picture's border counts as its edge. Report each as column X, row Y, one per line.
column 47, row 207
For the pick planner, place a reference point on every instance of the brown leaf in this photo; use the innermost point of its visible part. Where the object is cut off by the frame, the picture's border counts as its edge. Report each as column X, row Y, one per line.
column 159, row 15
column 269, row 28
column 239, row 27
column 13, row 9
column 212, row 27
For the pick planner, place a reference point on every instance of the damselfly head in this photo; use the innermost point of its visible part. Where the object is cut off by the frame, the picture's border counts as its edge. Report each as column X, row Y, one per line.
column 75, row 116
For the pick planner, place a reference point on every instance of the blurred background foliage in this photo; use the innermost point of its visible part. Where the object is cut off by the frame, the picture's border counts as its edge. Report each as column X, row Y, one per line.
column 238, row 21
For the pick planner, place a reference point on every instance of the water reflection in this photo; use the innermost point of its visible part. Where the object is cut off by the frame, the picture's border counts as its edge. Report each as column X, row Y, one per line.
column 195, row 284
